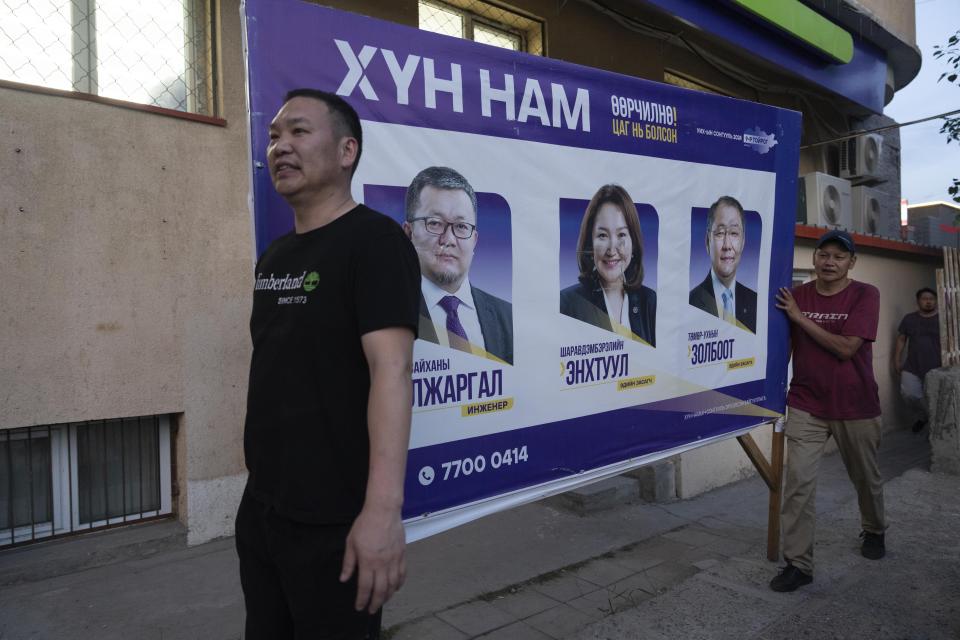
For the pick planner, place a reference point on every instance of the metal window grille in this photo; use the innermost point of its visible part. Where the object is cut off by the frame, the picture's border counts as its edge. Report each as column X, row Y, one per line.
column 493, row 36
column 483, row 22
column 59, row 479
column 155, row 52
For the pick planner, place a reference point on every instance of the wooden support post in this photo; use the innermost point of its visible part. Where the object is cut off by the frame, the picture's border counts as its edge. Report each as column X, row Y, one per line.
column 948, row 292
column 757, row 458
column 945, row 355
column 772, row 474
column 776, row 493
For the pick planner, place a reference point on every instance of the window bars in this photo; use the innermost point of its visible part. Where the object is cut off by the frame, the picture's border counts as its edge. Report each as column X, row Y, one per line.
column 59, row 479
column 484, row 22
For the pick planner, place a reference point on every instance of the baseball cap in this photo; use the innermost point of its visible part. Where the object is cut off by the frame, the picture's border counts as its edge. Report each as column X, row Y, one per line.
column 836, row 235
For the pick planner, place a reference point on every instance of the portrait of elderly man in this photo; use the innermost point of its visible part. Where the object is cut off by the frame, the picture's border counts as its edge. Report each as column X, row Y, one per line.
column 720, row 293
column 441, row 221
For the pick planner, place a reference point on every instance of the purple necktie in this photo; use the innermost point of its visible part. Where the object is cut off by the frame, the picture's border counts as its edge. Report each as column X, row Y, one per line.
column 450, row 304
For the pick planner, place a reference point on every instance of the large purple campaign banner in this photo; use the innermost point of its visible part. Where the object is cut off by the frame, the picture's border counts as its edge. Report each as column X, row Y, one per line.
column 599, row 253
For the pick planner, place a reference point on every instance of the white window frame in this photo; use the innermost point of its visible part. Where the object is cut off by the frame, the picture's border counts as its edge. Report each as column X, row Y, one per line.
column 163, row 437
column 60, row 509
column 65, row 486
column 532, row 31
column 201, row 95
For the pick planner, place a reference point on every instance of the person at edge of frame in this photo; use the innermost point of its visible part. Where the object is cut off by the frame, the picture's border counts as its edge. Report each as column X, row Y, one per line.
column 319, row 533
column 919, row 335
column 833, row 324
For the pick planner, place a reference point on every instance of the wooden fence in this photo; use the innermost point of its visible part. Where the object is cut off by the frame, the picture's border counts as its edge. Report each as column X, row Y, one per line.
column 948, row 294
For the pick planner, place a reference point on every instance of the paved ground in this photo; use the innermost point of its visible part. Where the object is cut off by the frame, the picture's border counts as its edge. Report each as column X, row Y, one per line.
column 691, row 569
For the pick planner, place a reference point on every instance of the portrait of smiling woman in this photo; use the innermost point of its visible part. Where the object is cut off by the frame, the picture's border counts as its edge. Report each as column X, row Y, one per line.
column 610, row 293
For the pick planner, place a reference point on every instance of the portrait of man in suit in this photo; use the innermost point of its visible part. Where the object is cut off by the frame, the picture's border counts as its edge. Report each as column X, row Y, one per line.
column 720, row 294
column 441, row 222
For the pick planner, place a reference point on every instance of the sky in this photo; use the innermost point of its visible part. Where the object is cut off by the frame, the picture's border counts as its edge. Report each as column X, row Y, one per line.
column 928, row 163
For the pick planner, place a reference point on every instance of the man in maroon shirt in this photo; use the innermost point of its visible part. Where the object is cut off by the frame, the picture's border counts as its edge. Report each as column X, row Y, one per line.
column 833, row 393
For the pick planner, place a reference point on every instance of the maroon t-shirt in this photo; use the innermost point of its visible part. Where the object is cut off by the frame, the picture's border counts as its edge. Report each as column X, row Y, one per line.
column 823, row 385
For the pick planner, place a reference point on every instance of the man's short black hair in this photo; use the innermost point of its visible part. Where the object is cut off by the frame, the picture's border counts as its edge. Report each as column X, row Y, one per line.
column 920, row 292
column 346, row 120
column 725, row 201
column 438, row 178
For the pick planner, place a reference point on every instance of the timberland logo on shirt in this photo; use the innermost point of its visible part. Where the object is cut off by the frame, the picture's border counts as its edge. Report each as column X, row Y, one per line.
column 285, row 283
column 311, row 281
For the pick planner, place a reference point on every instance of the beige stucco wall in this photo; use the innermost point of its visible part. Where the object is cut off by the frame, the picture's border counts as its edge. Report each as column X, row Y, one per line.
column 126, row 244
column 715, row 465
column 898, row 16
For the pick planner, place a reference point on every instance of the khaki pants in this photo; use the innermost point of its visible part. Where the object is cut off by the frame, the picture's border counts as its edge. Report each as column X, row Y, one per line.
column 858, row 441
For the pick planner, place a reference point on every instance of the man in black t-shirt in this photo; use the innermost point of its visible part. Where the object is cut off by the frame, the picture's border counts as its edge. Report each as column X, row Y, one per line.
column 919, row 332
column 335, row 311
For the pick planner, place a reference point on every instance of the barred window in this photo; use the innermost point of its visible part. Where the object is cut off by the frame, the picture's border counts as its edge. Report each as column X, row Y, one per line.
column 154, row 52
column 484, row 22
column 64, row 478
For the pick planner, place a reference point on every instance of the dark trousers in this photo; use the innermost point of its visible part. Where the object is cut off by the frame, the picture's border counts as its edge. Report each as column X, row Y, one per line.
column 290, row 573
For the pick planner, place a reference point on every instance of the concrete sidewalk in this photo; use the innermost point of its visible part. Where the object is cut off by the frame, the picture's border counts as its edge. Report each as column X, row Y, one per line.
column 690, row 569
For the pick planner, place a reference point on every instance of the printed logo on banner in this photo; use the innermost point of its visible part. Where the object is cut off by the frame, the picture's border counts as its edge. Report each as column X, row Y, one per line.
column 759, row 140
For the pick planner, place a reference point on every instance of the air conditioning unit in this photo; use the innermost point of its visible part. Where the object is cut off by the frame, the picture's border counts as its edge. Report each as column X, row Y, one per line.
column 860, row 156
column 828, row 200
column 867, row 216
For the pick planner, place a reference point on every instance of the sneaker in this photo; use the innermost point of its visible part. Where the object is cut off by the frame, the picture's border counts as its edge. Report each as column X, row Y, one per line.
column 872, row 547
column 790, row 579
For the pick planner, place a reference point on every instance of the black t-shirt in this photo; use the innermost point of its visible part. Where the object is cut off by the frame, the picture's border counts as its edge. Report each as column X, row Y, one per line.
column 923, row 348
column 305, row 439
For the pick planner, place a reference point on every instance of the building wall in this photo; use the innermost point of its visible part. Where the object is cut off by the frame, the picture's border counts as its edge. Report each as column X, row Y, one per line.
column 715, row 465
column 127, row 247
column 887, row 181
column 924, row 223
column 898, row 16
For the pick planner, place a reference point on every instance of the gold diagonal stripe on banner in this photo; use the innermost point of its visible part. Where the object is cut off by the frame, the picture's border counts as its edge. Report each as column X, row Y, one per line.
column 625, row 332
column 456, row 342
column 708, row 402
